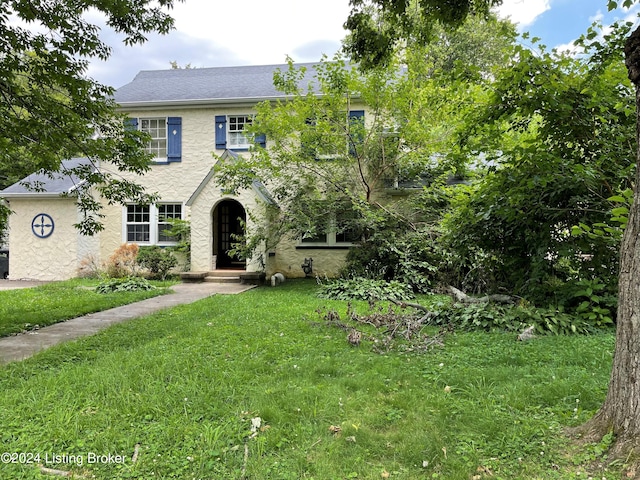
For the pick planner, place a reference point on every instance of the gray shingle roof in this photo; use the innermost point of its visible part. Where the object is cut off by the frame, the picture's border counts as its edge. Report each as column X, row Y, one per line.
column 41, row 184
column 218, row 84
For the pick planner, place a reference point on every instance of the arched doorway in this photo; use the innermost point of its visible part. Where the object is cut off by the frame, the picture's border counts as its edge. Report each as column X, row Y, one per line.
column 229, row 218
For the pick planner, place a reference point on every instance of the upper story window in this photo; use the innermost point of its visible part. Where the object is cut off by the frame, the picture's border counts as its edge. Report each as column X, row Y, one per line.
column 166, row 137
column 232, row 134
column 238, row 136
column 157, row 130
column 332, row 137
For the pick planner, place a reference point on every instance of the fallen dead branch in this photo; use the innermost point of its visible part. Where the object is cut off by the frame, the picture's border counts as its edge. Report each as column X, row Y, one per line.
column 390, row 325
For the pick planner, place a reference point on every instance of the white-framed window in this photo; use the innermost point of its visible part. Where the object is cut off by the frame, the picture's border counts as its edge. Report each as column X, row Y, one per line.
column 138, row 223
column 157, row 130
column 147, row 224
column 167, row 211
column 238, row 137
column 338, row 233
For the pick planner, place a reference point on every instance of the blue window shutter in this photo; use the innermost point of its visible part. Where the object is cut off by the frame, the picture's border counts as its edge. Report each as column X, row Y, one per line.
column 131, row 123
column 261, row 140
column 221, row 132
column 356, row 123
column 306, row 148
column 174, row 139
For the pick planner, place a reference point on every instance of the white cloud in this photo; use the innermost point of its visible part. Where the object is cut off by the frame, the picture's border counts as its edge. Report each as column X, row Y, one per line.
column 523, row 12
column 262, row 32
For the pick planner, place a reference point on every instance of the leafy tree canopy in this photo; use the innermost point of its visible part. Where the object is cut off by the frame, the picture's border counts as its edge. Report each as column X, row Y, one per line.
column 379, row 27
column 50, row 110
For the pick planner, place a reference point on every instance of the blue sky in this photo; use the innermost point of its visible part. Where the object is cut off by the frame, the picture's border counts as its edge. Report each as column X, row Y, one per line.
column 566, row 20
column 253, row 32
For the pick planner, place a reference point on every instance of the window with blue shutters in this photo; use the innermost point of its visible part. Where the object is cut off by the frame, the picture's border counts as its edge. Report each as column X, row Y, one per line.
column 166, row 136
column 232, row 134
column 156, row 128
column 330, row 138
column 239, row 138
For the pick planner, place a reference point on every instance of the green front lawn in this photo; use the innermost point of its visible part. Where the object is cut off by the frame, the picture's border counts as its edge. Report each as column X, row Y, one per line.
column 177, row 392
column 29, row 308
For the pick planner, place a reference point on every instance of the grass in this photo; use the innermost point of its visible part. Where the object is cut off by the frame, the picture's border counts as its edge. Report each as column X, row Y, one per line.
column 179, row 389
column 29, row 308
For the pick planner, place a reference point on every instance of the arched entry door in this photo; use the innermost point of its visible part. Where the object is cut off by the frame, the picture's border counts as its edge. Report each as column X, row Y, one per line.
column 229, row 217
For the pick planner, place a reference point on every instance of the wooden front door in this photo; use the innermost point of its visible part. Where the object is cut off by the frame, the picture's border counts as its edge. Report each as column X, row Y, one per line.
column 230, row 220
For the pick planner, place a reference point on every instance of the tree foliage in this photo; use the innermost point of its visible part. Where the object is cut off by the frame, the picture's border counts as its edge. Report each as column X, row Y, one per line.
column 379, row 27
column 50, row 110
column 557, row 132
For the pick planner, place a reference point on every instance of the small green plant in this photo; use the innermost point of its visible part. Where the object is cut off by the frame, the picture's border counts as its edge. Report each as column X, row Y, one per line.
column 158, row 261
column 365, row 289
column 597, row 305
column 128, row 284
column 508, row 318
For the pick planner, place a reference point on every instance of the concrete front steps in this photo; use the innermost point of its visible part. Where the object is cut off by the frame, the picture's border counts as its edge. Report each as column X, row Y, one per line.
column 224, row 276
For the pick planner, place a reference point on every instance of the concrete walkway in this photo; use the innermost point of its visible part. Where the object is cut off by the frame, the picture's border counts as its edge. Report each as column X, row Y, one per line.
column 19, row 347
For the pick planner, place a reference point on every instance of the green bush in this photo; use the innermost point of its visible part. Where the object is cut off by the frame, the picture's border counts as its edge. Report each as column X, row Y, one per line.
column 159, row 261
column 128, row 284
column 365, row 289
column 409, row 257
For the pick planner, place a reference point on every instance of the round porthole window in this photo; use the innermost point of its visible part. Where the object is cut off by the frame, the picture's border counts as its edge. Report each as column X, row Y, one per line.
column 42, row 225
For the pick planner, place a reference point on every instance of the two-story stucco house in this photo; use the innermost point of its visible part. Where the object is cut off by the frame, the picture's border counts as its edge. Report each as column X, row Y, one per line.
column 194, row 117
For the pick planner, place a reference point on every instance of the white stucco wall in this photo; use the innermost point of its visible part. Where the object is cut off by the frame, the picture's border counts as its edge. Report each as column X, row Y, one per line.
column 56, row 257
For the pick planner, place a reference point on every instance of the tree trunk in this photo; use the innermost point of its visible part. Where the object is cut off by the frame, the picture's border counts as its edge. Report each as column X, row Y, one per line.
column 620, row 412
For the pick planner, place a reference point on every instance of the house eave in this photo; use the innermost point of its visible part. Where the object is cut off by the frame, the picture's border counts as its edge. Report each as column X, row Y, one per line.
column 203, row 102
column 36, row 195
column 199, row 102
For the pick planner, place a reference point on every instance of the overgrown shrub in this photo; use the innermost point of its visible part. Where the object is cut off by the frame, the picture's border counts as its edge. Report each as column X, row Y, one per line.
column 159, row 261
column 128, row 284
column 123, row 261
column 409, row 257
column 365, row 289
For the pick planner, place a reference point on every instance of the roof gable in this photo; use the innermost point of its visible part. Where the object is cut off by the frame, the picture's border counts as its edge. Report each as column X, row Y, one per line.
column 256, row 185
